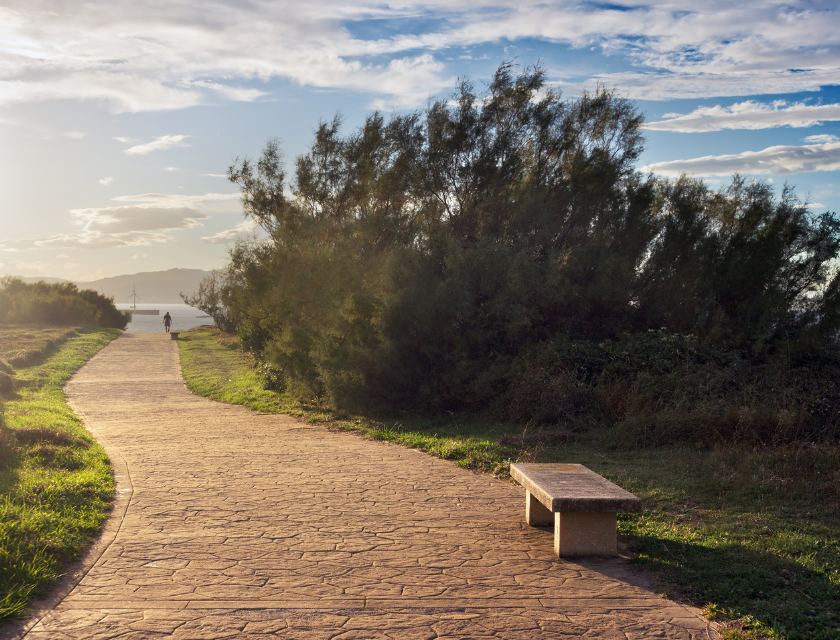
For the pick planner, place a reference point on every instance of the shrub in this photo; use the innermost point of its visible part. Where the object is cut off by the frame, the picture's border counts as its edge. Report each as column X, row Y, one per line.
column 501, row 251
column 58, row 304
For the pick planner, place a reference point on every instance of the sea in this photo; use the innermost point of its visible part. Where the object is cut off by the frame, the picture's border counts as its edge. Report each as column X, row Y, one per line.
column 183, row 317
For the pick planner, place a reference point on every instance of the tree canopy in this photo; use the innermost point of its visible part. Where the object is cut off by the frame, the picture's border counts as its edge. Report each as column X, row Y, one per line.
column 422, row 259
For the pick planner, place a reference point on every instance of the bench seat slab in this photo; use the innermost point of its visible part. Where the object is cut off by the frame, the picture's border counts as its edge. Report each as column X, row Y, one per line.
column 573, row 487
column 585, row 534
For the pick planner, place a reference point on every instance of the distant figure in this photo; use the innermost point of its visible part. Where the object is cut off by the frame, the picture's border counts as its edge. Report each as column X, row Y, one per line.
column 167, row 321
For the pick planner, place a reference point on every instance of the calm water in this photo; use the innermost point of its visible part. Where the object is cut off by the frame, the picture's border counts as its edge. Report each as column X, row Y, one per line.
column 183, row 317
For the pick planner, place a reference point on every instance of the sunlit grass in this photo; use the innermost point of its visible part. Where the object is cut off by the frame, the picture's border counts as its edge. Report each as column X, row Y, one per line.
column 751, row 535
column 56, row 483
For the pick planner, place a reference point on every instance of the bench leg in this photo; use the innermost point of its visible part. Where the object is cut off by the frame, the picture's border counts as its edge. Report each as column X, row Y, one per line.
column 585, row 534
column 536, row 514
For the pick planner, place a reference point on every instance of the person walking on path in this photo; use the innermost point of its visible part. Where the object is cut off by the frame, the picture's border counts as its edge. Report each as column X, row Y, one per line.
column 167, row 321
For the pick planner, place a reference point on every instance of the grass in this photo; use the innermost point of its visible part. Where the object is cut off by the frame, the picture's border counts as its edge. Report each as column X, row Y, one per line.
column 56, row 483
column 749, row 535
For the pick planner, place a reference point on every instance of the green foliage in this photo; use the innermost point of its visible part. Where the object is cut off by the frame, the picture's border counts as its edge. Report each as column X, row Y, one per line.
column 214, row 298
column 740, row 267
column 56, row 483
column 59, row 304
column 423, row 262
column 656, row 388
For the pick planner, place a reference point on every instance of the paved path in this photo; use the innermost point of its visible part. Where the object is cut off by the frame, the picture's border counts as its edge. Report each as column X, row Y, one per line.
column 242, row 525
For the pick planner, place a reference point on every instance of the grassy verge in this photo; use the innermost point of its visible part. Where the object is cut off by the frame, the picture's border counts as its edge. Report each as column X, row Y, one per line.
column 750, row 535
column 56, row 483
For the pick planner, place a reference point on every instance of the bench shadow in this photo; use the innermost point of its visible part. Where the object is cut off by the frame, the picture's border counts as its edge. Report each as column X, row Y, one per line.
column 748, row 585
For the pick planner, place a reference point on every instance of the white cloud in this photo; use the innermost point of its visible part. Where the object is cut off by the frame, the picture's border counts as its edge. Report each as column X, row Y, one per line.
column 158, row 144
column 239, row 94
column 86, row 240
column 748, row 115
column 122, row 92
column 134, row 58
column 177, row 199
column 137, row 218
column 148, row 218
column 822, row 138
column 62, row 255
column 215, row 175
column 778, row 160
column 106, row 181
column 33, row 268
column 245, row 229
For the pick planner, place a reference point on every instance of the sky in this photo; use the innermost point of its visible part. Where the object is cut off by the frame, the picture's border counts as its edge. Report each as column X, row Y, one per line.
column 118, row 120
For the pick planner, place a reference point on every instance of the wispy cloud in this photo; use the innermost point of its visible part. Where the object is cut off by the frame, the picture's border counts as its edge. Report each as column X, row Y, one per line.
column 187, row 53
column 129, row 219
column 245, row 229
column 106, row 181
column 87, row 240
column 748, row 115
column 146, row 219
column 158, row 144
column 779, row 160
column 822, row 138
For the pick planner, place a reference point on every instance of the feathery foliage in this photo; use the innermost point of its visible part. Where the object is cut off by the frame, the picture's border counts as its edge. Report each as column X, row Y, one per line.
column 432, row 261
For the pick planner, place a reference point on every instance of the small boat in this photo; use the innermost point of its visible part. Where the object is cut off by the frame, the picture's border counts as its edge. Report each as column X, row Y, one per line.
column 141, row 312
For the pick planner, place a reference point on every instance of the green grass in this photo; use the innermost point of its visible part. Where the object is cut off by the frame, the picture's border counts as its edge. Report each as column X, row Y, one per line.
column 750, row 535
column 56, row 484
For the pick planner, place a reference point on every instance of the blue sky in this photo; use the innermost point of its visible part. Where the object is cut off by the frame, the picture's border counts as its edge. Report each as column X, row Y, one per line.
column 119, row 119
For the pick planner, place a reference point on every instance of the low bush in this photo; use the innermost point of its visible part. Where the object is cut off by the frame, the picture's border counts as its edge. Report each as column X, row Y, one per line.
column 658, row 388
column 59, row 304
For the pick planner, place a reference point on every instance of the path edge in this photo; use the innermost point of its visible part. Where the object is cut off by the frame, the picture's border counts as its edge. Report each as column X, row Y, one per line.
column 19, row 629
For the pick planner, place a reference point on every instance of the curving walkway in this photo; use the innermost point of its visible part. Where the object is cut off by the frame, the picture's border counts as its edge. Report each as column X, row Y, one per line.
column 242, row 525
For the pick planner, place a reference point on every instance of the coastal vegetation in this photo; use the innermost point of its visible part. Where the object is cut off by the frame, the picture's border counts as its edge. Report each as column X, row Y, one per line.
column 56, row 483
column 58, row 304
column 493, row 279
column 500, row 252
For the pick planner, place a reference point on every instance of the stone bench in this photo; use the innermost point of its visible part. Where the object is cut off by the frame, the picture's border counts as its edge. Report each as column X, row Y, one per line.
column 578, row 502
column 173, row 335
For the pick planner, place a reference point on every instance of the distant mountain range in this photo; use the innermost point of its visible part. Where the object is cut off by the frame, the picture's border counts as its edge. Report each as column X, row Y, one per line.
column 152, row 286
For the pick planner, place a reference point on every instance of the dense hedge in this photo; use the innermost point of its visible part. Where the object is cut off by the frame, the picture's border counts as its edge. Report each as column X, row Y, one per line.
column 60, row 304
column 441, row 260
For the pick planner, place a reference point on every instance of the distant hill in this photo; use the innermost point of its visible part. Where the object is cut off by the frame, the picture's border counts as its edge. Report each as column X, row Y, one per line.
column 152, row 286
column 31, row 279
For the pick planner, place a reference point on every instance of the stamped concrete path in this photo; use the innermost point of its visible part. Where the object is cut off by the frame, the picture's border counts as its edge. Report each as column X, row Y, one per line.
column 234, row 524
